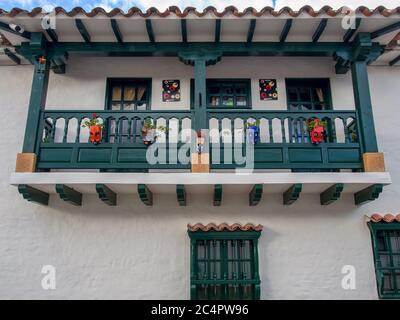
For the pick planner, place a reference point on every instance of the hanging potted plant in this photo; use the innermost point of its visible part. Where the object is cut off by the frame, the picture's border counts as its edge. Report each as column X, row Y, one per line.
column 95, row 129
column 149, row 132
column 316, row 127
column 253, row 131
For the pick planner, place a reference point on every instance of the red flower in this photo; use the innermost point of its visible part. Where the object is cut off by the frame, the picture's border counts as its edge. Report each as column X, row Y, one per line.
column 94, row 115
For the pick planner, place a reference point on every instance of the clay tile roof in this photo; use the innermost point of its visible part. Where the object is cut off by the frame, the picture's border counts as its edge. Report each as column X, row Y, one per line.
column 134, row 11
column 224, row 227
column 376, row 217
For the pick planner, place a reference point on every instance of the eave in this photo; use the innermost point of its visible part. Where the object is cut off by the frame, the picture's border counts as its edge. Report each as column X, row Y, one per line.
column 154, row 184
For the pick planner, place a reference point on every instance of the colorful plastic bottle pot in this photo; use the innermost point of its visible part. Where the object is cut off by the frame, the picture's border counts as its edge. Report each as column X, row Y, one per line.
column 253, row 134
column 317, row 134
column 95, row 134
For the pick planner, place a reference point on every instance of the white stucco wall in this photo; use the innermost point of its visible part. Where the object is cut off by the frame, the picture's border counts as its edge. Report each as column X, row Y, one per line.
column 133, row 251
column 86, row 79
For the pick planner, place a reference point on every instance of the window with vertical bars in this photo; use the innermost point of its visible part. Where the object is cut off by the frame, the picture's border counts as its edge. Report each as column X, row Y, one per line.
column 386, row 245
column 225, row 266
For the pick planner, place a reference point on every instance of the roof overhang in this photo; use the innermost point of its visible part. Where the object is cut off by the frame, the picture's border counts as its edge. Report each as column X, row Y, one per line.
column 329, row 185
column 208, row 26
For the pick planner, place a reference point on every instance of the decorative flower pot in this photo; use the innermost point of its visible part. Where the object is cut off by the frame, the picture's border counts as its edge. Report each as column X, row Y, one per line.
column 253, row 134
column 317, row 130
column 149, row 136
column 95, row 134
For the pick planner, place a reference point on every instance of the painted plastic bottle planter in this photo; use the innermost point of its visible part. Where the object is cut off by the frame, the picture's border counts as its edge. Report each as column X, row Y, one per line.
column 95, row 129
column 253, row 132
column 95, row 134
column 317, row 130
column 149, row 136
column 149, row 132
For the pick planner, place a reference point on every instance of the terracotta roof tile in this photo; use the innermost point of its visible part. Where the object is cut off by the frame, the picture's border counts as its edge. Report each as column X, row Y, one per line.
column 134, row 11
column 224, row 227
column 376, row 217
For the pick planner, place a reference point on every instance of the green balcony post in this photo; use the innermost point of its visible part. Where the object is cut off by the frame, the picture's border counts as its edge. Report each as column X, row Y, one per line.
column 200, row 101
column 363, row 103
column 37, row 103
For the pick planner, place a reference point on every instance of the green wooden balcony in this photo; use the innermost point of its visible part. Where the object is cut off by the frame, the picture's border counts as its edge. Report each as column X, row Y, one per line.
column 62, row 143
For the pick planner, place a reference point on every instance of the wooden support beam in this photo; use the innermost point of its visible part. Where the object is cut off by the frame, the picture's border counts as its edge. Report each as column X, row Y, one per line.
column 320, row 29
column 106, row 194
column 350, row 32
column 58, row 64
column 217, row 30
column 116, row 30
column 363, row 102
column 184, row 30
column 217, row 195
column 368, row 194
column 6, row 27
column 331, row 194
column 150, row 32
column 255, row 195
column 200, row 95
column 382, row 31
column 181, row 195
column 69, row 195
column 52, row 34
column 394, row 61
column 175, row 48
column 12, row 56
column 145, row 194
column 252, row 28
column 38, row 96
column 33, row 195
column 285, row 30
column 292, row 194
column 82, row 30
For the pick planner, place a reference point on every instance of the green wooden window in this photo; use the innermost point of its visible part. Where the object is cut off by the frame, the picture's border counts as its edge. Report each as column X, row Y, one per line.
column 224, row 265
column 386, row 247
column 228, row 93
column 128, row 94
column 308, row 94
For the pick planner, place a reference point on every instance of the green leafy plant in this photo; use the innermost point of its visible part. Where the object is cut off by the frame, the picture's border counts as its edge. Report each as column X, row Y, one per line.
column 253, row 123
column 149, row 126
column 94, row 121
column 311, row 123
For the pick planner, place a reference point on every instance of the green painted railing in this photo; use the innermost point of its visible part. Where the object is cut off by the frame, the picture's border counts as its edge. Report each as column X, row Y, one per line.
column 64, row 143
column 285, row 142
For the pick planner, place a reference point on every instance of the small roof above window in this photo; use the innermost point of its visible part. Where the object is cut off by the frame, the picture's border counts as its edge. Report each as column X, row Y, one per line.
column 224, row 227
column 389, row 218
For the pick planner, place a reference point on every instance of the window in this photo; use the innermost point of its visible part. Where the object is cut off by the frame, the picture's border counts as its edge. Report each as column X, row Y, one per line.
column 224, row 265
column 308, row 94
column 232, row 93
column 386, row 247
column 128, row 94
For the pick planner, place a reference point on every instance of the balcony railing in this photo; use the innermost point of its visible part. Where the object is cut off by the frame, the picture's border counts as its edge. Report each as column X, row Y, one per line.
column 285, row 142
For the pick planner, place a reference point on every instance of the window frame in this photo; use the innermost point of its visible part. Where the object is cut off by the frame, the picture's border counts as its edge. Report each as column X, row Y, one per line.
column 323, row 83
column 224, row 236
column 248, row 93
column 375, row 227
column 123, row 81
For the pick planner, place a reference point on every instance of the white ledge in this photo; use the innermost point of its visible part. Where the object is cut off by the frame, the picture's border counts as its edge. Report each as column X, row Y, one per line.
column 275, row 182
